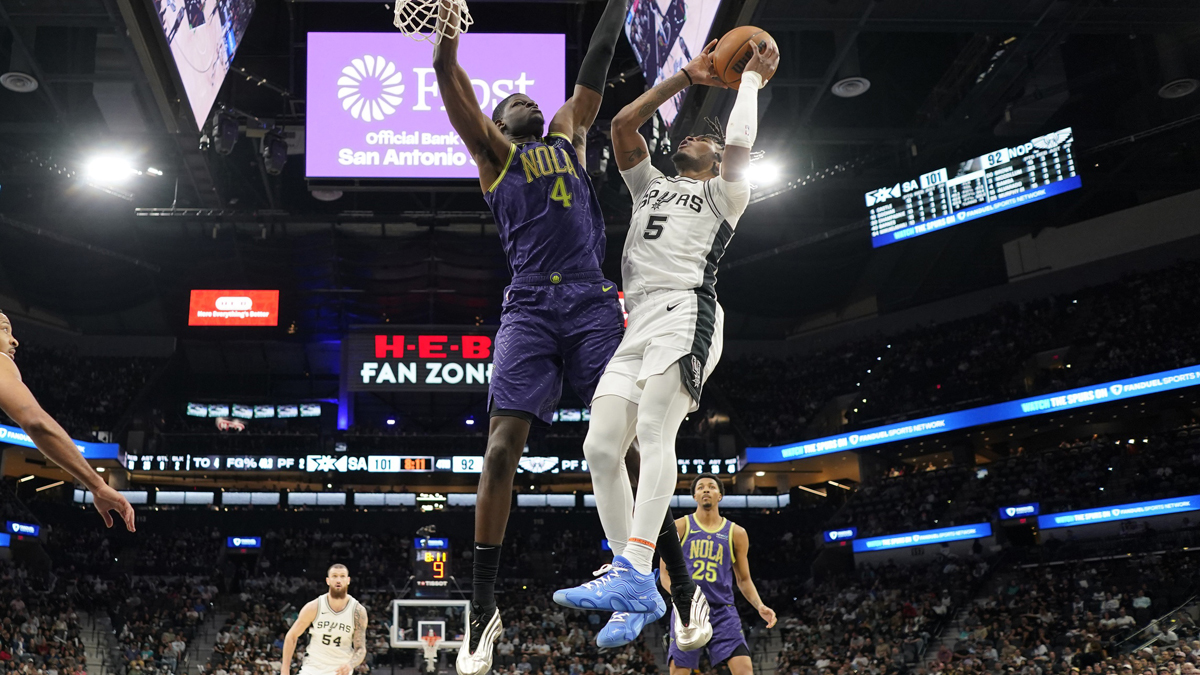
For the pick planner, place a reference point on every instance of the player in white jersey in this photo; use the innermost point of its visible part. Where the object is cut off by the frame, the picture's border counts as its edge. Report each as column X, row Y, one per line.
column 337, row 630
column 679, row 231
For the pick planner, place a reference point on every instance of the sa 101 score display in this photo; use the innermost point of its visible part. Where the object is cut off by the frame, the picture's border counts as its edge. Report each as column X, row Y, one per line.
column 432, row 567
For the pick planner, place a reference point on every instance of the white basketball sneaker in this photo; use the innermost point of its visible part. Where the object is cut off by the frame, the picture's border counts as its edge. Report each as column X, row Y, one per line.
column 698, row 630
column 475, row 654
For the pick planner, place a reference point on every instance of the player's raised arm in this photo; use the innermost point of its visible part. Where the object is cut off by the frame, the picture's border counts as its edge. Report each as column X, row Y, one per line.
column 307, row 615
column 53, row 441
column 487, row 145
column 743, row 120
column 628, row 145
column 579, row 112
column 741, row 570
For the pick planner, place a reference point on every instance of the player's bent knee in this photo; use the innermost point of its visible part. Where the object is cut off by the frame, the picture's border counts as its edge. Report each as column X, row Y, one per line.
column 601, row 449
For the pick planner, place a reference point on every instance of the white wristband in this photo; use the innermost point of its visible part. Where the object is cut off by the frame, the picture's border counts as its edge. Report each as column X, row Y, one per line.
column 743, row 119
column 752, row 78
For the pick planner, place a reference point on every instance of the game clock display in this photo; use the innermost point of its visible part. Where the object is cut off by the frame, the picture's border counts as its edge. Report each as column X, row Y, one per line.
column 431, row 565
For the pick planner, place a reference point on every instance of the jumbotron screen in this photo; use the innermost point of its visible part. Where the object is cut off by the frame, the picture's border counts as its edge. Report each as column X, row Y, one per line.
column 991, row 183
column 375, row 109
column 665, row 35
column 203, row 36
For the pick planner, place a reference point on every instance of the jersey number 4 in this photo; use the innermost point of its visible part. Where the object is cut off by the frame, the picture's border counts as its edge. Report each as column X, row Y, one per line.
column 336, row 642
column 654, row 228
column 560, row 194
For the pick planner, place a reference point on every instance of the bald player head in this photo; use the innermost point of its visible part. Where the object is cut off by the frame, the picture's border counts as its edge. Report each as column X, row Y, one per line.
column 8, row 343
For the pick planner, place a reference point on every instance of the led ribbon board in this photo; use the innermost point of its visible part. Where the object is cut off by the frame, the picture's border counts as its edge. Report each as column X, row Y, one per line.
column 1104, row 514
column 991, row 183
column 1019, row 511
column 1010, row 410
column 14, row 436
column 940, row 536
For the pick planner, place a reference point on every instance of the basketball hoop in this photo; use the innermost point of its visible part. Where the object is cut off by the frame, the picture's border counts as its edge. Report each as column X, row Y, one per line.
column 431, row 650
column 418, row 19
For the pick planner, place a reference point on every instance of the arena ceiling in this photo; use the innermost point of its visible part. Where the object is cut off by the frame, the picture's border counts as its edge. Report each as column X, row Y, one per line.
column 950, row 79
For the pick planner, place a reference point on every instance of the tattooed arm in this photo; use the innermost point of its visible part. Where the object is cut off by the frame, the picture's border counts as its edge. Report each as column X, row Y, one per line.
column 628, row 145
column 359, row 641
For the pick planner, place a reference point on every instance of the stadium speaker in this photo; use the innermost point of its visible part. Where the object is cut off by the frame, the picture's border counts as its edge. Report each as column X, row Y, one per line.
column 274, row 151
column 224, row 132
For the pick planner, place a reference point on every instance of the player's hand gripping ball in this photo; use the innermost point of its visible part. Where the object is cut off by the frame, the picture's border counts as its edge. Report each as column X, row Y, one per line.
column 745, row 48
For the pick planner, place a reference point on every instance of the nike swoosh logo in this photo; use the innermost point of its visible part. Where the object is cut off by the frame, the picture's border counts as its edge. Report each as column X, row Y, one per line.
column 606, row 288
column 671, row 307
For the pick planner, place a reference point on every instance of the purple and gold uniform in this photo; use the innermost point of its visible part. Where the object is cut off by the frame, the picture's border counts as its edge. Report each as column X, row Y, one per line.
column 561, row 317
column 709, row 556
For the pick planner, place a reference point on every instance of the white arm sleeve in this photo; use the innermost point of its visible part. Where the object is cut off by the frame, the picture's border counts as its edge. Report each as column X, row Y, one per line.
column 743, row 120
column 639, row 177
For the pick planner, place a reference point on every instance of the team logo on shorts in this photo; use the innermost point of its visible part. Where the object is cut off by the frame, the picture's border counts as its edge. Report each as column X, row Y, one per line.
column 696, row 371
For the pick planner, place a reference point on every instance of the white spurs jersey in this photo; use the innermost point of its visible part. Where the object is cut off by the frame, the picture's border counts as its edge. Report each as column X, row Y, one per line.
column 331, row 637
column 679, row 230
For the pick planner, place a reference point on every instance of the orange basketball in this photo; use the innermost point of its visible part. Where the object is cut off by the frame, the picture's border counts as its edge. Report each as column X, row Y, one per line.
column 734, row 51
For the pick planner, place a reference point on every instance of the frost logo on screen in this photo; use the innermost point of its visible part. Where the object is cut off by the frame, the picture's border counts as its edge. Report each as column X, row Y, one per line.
column 370, row 88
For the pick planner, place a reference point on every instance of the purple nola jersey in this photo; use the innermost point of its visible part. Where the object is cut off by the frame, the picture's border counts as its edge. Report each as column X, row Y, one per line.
column 709, row 557
column 546, row 210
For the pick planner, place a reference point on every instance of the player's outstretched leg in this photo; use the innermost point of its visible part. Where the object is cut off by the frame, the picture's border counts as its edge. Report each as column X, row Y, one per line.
column 506, row 440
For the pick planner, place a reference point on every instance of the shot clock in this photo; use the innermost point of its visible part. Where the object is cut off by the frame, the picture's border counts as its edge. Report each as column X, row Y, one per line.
column 431, row 567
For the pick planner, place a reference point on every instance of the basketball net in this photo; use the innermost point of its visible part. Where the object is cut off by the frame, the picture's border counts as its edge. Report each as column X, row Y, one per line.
column 419, row 19
column 431, row 649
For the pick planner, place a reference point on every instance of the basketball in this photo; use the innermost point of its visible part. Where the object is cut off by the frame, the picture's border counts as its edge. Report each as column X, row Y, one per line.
column 735, row 50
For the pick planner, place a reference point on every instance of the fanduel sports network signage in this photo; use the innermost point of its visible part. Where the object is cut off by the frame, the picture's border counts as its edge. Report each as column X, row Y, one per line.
column 429, row 358
column 941, row 536
column 1010, row 410
column 1104, row 514
column 375, row 111
column 1019, row 511
column 25, row 529
column 841, row 535
column 14, row 436
column 243, row 542
column 234, row 308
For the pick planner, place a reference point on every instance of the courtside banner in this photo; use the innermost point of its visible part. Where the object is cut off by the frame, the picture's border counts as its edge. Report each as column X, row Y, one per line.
column 14, row 436
column 1104, row 514
column 234, row 308
column 945, row 534
column 999, row 412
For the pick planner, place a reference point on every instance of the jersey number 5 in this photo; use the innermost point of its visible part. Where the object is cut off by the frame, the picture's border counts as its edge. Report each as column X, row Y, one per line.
column 336, row 642
column 654, row 228
column 560, row 194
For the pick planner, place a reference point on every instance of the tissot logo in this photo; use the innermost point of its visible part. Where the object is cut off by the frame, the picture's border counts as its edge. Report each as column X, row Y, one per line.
column 370, row 88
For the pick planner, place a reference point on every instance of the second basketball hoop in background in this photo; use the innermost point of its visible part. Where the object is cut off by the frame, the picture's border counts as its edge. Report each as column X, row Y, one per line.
column 432, row 19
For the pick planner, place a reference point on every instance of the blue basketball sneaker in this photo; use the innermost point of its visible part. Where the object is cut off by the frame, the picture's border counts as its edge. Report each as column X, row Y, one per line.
column 624, row 627
column 619, row 588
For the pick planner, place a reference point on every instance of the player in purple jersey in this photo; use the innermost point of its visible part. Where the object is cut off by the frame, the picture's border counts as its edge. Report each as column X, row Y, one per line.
column 561, row 317
column 716, row 549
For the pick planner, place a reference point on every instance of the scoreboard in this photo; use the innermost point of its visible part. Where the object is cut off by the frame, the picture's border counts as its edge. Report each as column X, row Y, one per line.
column 431, row 567
column 991, row 183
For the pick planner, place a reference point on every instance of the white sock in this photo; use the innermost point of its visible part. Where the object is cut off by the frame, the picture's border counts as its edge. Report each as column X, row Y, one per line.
column 610, row 433
column 665, row 402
